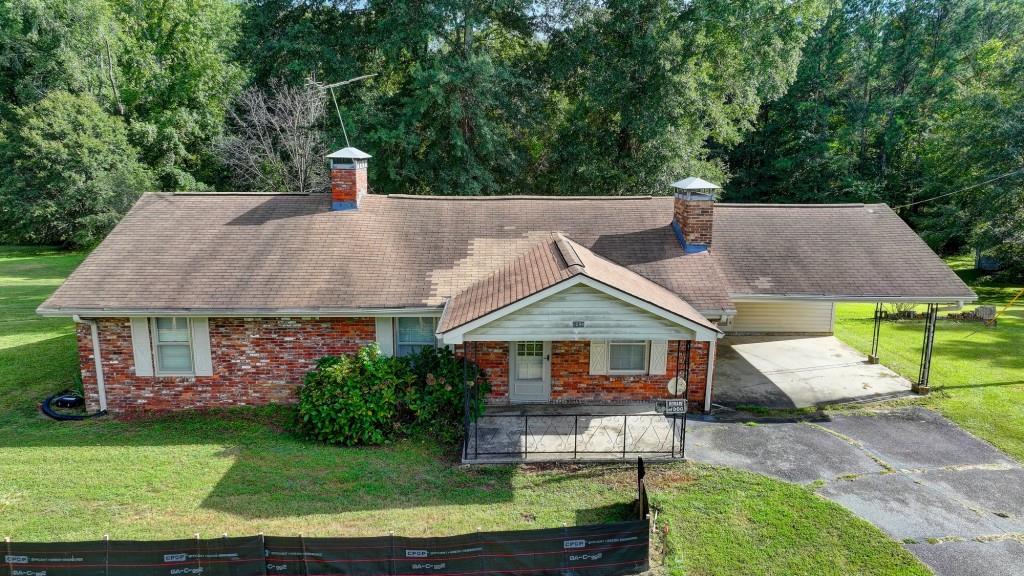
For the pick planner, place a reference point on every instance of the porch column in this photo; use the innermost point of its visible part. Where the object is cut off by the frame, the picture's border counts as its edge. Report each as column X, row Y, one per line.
column 465, row 400
column 712, row 357
column 922, row 386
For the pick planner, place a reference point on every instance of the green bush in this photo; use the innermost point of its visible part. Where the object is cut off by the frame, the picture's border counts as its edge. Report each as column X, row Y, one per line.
column 435, row 400
column 367, row 398
column 353, row 399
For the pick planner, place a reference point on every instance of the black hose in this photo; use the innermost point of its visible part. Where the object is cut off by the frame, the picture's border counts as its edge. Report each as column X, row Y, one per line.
column 49, row 411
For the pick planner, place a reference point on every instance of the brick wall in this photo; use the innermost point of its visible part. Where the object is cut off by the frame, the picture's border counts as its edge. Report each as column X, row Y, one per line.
column 571, row 380
column 348, row 184
column 257, row 361
column 695, row 218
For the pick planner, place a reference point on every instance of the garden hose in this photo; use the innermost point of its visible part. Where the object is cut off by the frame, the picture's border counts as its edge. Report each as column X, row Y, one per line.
column 49, row 411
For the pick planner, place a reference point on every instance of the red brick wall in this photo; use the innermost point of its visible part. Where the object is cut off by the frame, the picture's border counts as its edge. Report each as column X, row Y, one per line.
column 257, row 361
column 695, row 218
column 571, row 380
column 348, row 184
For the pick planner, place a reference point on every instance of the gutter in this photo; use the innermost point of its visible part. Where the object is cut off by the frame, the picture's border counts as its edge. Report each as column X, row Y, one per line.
column 956, row 300
column 240, row 312
column 95, row 333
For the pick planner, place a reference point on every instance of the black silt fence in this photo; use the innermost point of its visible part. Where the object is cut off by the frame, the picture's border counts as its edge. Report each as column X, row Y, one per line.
column 594, row 550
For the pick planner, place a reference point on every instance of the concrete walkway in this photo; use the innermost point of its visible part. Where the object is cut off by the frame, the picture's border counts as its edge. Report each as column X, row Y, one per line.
column 953, row 500
column 797, row 372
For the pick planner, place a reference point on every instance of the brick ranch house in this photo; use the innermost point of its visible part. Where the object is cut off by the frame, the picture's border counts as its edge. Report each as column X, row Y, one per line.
column 212, row 300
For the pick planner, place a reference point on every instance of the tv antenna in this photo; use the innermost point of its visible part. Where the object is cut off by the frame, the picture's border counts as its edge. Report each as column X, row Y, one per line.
column 330, row 88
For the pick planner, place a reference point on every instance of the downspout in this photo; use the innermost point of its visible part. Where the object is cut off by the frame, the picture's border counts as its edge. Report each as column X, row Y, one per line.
column 95, row 333
column 712, row 345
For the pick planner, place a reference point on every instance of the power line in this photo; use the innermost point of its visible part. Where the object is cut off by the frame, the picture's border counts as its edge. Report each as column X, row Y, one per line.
column 971, row 187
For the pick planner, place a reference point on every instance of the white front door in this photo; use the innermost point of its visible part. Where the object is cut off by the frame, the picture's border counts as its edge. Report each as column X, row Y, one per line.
column 530, row 371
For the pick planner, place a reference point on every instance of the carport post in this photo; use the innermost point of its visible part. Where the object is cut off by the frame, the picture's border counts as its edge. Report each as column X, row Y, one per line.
column 465, row 400
column 922, row 385
column 873, row 357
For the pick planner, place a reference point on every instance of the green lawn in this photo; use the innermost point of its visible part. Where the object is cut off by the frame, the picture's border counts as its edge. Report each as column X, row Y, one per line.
column 241, row 472
column 977, row 373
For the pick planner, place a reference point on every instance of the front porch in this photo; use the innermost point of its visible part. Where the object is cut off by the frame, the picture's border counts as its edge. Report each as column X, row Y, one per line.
column 593, row 433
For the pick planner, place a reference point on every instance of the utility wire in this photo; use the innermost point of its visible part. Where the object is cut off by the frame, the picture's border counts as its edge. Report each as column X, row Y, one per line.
column 971, row 187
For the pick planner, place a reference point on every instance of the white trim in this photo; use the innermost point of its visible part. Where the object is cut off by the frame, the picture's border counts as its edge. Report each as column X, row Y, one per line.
column 155, row 339
column 457, row 335
column 384, row 330
column 647, row 357
column 142, row 348
column 240, row 312
column 712, row 353
column 202, row 357
column 545, row 375
column 782, row 297
column 657, row 357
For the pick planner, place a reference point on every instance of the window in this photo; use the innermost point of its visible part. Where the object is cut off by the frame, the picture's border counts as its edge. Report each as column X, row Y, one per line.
column 415, row 334
column 172, row 344
column 627, row 357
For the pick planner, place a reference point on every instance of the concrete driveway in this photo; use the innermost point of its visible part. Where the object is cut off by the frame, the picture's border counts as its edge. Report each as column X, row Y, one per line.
column 797, row 372
column 953, row 500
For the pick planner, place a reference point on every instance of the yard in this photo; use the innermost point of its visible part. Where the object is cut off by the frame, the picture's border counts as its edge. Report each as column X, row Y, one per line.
column 241, row 472
column 977, row 372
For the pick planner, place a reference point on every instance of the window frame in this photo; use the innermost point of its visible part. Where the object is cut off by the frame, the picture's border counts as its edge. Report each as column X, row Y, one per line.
column 630, row 372
column 155, row 344
column 398, row 335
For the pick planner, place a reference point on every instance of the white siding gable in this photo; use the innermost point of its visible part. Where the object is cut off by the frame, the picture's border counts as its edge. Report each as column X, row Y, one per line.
column 604, row 317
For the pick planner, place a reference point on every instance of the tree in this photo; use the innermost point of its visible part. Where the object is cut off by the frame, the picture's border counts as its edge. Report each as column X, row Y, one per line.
column 69, row 172
column 651, row 86
column 275, row 142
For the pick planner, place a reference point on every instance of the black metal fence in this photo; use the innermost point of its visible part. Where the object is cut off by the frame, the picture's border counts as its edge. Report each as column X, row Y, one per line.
column 595, row 550
column 585, row 436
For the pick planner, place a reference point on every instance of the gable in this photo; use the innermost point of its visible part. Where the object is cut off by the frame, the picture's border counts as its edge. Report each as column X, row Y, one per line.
column 603, row 317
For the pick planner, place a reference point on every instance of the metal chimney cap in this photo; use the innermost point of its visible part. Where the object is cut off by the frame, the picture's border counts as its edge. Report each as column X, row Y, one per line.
column 350, row 152
column 694, row 183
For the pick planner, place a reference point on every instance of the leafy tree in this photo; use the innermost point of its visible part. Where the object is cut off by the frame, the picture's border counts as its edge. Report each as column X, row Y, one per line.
column 649, row 84
column 69, row 172
column 176, row 81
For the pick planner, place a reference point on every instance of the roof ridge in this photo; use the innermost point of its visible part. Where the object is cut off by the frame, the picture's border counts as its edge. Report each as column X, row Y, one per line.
column 568, row 252
column 517, row 197
column 781, row 205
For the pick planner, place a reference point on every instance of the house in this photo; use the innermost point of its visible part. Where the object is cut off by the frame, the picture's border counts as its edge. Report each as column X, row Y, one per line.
column 207, row 300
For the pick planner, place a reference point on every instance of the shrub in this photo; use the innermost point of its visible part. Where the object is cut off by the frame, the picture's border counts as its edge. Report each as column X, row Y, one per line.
column 367, row 398
column 434, row 400
column 353, row 399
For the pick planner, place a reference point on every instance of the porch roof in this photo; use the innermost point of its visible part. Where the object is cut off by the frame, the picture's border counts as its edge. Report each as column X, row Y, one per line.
column 553, row 263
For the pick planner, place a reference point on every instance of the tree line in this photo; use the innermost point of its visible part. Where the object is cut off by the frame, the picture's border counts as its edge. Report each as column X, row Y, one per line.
column 894, row 101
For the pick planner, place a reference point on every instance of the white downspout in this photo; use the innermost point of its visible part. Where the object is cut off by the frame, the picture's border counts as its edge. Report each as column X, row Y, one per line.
column 711, row 372
column 100, row 385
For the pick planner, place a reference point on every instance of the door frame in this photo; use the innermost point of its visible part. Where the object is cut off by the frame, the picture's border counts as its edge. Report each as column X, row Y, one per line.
column 545, row 396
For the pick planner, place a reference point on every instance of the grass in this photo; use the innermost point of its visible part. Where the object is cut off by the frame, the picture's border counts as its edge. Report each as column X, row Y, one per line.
column 242, row 472
column 977, row 372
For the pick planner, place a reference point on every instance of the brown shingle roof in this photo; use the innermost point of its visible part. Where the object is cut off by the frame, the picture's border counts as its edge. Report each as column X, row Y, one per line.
column 279, row 253
column 853, row 250
column 551, row 262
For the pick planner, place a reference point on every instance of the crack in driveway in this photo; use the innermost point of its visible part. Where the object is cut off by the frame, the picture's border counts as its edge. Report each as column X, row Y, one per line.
column 953, row 500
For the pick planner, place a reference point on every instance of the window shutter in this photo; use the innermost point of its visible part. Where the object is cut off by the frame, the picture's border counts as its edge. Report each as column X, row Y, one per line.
column 201, row 356
column 598, row 357
column 142, row 348
column 658, row 362
column 386, row 335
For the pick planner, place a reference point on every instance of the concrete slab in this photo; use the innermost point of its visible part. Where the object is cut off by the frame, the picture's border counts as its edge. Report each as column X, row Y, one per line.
column 908, row 509
column 997, row 491
column 916, row 438
column 797, row 372
column 548, row 433
column 972, row 558
column 791, row 451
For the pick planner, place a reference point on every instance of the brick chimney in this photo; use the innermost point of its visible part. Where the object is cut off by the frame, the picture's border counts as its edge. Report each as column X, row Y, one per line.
column 694, row 213
column 348, row 178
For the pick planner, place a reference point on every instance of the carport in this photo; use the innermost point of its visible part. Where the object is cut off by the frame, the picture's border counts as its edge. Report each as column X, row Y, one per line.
column 792, row 371
column 780, row 366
